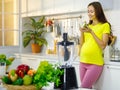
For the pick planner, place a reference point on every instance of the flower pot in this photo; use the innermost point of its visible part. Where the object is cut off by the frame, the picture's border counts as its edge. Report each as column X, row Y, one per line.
column 36, row 48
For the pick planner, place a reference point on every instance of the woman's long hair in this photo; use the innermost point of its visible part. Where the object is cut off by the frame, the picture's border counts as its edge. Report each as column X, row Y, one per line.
column 98, row 12
column 100, row 15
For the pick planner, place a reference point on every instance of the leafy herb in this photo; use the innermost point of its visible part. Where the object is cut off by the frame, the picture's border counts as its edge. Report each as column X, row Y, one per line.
column 47, row 73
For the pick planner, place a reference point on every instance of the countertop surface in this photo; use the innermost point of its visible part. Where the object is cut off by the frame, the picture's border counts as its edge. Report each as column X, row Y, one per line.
column 108, row 61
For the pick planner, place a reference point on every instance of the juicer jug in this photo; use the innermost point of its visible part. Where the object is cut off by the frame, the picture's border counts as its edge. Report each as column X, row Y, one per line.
column 65, row 50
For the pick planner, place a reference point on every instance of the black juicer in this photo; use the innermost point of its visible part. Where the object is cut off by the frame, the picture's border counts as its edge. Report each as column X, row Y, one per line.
column 65, row 50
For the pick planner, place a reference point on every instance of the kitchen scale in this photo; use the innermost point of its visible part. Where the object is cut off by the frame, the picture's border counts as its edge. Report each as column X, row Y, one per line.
column 65, row 51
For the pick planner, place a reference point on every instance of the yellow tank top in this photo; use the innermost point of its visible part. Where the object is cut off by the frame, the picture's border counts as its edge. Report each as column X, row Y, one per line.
column 90, row 52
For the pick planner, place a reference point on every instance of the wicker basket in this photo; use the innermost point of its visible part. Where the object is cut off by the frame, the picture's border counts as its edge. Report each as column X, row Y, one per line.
column 16, row 87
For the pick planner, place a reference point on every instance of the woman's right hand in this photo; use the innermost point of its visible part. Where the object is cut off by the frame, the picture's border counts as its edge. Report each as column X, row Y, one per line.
column 85, row 29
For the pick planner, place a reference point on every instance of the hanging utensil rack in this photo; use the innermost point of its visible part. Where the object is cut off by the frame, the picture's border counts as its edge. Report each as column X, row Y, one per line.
column 67, row 17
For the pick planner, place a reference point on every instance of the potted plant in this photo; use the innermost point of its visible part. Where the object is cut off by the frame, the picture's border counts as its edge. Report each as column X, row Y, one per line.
column 35, row 34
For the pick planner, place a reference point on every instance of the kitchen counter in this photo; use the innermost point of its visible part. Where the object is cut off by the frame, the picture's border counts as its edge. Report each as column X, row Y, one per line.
column 36, row 55
column 51, row 57
column 54, row 57
column 111, row 61
column 106, row 80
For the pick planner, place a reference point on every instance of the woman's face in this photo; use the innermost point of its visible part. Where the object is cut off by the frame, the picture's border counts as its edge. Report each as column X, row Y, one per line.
column 91, row 12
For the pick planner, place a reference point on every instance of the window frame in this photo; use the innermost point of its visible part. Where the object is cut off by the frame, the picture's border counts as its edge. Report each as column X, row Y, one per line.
column 16, row 48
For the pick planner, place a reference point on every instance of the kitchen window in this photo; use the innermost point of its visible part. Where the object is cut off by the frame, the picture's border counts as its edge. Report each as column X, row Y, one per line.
column 9, row 22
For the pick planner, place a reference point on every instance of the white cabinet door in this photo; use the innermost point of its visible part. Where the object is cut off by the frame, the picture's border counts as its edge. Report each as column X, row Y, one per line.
column 30, row 7
column 110, row 78
column 63, row 6
column 23, row 6
column 32, row 62
column 34, row 5
column 47, row 6
column 81, row 5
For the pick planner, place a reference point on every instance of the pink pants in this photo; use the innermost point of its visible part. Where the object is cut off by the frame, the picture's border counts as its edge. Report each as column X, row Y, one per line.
column 89, row 74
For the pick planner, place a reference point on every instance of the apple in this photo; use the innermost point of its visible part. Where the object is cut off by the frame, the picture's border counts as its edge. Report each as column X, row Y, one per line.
column 20, row 73
column 27, row 80
column 12, row 75
column 24, row 68
column 13, row 78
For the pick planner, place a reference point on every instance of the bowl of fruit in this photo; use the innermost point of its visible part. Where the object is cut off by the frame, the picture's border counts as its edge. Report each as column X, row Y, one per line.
column 26, row 78
column 20, row 78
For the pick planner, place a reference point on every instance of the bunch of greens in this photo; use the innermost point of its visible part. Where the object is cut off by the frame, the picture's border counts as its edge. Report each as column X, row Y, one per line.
column 47, row 73
column 4, row 59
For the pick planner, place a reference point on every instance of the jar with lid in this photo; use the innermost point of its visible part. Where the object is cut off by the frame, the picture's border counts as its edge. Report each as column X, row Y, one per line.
column 2, row 68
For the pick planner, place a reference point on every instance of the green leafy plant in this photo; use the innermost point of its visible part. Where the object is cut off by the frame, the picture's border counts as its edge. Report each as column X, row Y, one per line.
column 47, row 73
column 35, row 33
column 4, row 59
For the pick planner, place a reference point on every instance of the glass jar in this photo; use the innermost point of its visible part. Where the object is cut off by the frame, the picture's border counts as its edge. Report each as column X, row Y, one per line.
column 2, row 69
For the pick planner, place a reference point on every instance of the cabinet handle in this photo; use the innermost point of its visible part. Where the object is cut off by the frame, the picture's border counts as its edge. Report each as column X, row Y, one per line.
column 113, row 67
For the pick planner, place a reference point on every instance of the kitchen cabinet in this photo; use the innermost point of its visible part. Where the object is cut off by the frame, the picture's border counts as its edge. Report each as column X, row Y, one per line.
column 34, row 7
column 33, row 60
column 81, row 5
column 31, row 7
column 47, row 7
column 51, row 7
column 109, row 79
column 24, row 6
column 62, row 6
column 40, row 7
